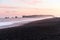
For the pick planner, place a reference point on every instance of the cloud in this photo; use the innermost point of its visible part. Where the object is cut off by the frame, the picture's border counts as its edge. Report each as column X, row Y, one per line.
column 20, row 3
column 31, row 3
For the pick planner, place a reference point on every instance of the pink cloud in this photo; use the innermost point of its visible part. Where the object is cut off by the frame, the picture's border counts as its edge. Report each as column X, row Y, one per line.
column 31, row 1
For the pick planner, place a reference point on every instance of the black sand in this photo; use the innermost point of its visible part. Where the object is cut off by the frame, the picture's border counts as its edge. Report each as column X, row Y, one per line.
column 48, row 29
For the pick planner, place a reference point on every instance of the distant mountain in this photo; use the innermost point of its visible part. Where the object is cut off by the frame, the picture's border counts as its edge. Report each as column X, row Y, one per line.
column 32, row 16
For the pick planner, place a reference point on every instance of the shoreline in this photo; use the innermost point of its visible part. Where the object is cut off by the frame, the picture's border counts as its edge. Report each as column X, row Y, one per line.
column 21, row 23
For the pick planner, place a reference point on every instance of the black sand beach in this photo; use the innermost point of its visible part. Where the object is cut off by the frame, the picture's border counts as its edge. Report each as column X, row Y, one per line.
column 47, row 29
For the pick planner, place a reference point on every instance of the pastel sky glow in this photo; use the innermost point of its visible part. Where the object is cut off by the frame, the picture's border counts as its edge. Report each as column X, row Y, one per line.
column 29, row 7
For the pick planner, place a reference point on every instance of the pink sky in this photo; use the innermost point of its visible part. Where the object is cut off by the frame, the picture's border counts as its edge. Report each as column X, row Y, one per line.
column 29, row 7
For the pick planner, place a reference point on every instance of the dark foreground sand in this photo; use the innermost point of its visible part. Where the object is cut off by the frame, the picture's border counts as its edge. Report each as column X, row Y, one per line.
column 48, row 29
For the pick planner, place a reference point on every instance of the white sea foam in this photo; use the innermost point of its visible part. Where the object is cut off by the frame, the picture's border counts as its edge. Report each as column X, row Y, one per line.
column 21, row 21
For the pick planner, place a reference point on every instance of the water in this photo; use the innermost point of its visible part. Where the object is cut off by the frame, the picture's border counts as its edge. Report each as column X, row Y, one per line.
column 22, row 21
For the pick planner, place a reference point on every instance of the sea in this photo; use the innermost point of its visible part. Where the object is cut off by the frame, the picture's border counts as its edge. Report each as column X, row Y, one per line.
column 12, row 22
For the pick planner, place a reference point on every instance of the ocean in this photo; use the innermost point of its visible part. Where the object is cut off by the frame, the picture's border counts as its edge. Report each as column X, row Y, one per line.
column 12, row 22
